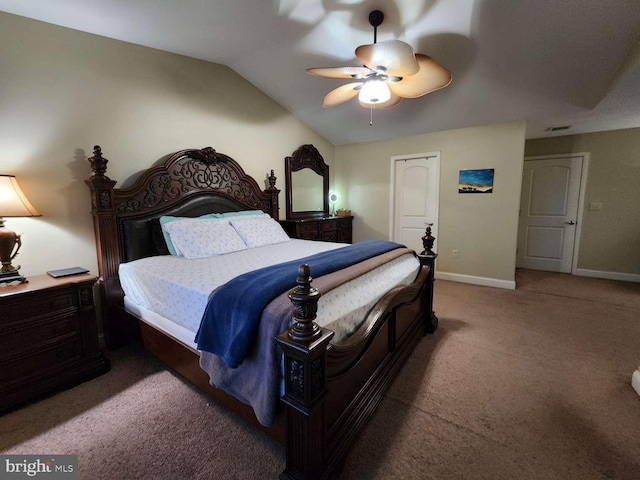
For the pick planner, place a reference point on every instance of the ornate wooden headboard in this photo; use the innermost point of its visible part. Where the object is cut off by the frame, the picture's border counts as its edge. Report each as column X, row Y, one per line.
column 126, row 220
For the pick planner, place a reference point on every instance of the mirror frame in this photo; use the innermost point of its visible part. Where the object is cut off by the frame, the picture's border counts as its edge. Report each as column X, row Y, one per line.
column 306, row 156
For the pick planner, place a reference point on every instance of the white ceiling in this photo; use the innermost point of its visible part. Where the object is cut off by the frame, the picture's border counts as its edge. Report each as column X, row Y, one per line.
column 550, row 62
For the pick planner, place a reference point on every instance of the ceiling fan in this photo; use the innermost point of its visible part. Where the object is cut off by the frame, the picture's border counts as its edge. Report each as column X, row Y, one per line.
column 391, row 71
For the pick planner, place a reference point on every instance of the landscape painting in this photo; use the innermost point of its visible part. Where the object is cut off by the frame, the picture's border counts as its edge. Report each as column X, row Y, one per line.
column 476, row 181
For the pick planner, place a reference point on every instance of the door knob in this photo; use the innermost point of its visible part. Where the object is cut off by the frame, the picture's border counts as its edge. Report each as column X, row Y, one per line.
column 570, row 223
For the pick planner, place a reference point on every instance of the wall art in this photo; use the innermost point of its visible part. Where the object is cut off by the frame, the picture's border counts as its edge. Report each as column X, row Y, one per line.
column 476, row 181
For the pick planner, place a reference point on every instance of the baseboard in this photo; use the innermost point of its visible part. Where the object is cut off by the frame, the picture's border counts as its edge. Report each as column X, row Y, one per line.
column 484, row 281
column 635, row 381
column 625, row 277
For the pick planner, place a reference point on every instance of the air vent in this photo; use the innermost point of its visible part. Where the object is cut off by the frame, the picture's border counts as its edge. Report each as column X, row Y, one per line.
column 555, row 129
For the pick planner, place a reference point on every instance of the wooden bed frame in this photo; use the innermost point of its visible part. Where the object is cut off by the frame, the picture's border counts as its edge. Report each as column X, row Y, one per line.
column 331, row 390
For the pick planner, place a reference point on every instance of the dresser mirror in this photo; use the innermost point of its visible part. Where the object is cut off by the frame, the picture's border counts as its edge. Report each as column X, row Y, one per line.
column 306, row 184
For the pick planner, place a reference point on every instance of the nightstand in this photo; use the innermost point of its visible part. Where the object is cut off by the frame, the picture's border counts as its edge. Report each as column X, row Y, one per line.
column 48, row 337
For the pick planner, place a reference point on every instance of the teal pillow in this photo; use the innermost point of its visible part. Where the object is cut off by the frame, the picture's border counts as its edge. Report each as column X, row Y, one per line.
column 241, row 213
column 167, row 239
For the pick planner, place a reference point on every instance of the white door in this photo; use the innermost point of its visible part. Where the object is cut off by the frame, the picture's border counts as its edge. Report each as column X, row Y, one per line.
column 415, row 199
column 549, row 213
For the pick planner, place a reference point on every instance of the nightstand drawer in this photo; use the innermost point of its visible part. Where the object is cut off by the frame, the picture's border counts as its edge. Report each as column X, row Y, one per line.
column 15, row 310
column 34, row 334
column 40, row 361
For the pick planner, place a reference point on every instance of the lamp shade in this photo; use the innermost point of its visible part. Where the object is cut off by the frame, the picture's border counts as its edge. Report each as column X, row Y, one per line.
column 374, row 91
column 13, row 203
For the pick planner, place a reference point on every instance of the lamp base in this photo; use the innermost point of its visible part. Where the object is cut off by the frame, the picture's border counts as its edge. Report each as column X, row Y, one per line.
column 10, row 244
column 12, row 277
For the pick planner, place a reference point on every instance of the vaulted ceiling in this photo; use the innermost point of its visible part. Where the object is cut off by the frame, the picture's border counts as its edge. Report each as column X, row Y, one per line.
column 552, row 63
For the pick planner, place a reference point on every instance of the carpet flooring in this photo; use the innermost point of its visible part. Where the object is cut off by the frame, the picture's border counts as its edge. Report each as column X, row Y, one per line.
column 525, row 384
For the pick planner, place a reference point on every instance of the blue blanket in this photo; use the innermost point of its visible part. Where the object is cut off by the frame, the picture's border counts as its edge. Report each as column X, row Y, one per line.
column 231, row 318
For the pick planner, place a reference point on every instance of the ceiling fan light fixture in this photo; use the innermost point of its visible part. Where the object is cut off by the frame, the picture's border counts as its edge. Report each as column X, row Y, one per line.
column 390, row 71
column 374, row 91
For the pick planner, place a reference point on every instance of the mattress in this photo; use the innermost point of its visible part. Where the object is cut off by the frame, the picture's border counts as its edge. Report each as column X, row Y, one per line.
column 172, row 292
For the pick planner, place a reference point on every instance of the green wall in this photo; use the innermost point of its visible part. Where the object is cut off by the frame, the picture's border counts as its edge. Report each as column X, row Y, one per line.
column 610, row 240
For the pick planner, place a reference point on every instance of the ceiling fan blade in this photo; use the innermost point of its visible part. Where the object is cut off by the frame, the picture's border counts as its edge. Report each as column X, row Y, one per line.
column 341, row 94
column 430, row 78
column 340, row 72
column 394, row 100
column 392, row 57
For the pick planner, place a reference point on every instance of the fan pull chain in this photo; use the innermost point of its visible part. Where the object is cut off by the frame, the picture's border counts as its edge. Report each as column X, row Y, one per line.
column 371, row 120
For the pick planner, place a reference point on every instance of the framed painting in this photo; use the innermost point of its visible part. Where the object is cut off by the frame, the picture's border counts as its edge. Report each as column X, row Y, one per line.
column 476, row 181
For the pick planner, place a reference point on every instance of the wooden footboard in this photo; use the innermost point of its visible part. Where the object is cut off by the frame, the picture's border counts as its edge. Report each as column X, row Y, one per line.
column 332, row 390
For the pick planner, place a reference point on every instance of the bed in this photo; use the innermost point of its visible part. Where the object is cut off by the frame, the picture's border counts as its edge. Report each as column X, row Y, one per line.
column 330, row 388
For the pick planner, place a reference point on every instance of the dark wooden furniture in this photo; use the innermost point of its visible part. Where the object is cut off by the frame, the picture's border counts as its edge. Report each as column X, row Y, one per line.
column 326, row 229
column 306, row 159
column 306, row 224
column 331, row 389
column 48, row 337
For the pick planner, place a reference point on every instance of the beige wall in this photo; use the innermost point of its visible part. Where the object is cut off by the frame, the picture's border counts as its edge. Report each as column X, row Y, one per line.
column 483, row 228
column 610, row 240
column 62, row 92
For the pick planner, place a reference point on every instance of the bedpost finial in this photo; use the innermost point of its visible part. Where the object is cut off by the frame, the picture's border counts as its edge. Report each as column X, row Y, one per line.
column 272, row 181
column 304, row 274
column 98, row 163
column 427, row 241
column 305, row 305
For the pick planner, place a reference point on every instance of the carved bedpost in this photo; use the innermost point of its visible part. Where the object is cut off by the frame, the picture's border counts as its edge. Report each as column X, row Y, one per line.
column 274, row 192
column 304, row 346
column 428, row 257
column 105, row 228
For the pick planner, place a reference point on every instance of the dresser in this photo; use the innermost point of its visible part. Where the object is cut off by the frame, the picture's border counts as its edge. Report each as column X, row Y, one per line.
column 326, row 229
column 48, row 337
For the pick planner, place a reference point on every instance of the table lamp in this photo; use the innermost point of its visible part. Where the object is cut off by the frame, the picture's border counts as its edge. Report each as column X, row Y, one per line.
column 333, row 199
column 13, row 203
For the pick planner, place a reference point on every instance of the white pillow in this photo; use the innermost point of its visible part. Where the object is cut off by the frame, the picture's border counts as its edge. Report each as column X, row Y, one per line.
column 259, row 231
column 204, row 237
column 167, row 239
